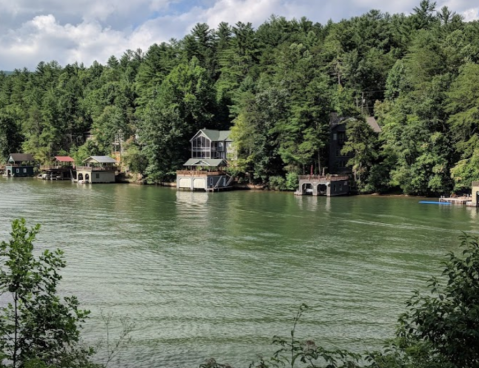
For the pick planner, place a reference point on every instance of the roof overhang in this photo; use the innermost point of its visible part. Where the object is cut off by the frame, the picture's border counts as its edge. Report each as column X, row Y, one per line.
column 205, row 162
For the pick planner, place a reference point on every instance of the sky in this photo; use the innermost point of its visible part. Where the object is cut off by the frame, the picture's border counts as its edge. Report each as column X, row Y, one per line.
column 87, row 30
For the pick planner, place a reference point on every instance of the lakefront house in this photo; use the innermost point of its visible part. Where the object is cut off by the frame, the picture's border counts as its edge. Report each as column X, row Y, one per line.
column 97, row 169
column 210, row 150
column 335, row 183
column 19, row 165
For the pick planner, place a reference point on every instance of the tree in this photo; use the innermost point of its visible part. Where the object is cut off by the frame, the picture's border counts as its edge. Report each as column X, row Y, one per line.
column 10, row 134
column 37, row 327
column 254, row 135
column 183, row 106
column 439, row 329
column 362, row 143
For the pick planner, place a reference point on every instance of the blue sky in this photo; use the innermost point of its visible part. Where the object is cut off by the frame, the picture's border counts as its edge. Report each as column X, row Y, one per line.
column 86, row 30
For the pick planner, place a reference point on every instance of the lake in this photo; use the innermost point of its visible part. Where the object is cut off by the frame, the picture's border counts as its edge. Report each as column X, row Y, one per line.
column 205, row 275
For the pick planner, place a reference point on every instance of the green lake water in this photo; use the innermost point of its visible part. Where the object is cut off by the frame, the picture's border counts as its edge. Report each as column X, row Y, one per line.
column 219, row 274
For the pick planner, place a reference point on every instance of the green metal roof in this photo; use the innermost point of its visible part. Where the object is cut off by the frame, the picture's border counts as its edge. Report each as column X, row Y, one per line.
column 101, row 159
column 204, row 162
column 217, row 135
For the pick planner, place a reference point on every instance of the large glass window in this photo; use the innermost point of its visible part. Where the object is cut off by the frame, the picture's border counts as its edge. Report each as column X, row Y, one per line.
column 201, row 148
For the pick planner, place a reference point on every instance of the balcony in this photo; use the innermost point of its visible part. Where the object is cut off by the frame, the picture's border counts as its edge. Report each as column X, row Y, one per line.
column 324, row 177
column 199, row 173
column 96, row 168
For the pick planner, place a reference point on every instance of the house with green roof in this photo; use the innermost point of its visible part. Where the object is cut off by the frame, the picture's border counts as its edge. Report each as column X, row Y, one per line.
column 210, row 150
column 211, row 144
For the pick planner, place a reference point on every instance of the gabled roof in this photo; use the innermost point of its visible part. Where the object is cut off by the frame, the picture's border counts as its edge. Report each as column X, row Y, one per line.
column 214, row 135
column 373, row 124
column 20, row 157
column 101, row 159
column 336, row 121
column 205, row 162
column 64, row 159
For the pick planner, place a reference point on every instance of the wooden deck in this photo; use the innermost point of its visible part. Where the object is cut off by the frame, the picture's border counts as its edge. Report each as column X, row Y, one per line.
column 199, row 173
column 456, row 200
column 324, row 177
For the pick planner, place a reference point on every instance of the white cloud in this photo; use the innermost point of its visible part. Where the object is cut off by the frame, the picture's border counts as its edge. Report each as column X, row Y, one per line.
column 471, row 14
column 44, row 39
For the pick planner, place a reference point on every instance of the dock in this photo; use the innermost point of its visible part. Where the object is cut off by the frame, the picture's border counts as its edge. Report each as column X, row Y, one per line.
column 463, row 201
column 323, row 185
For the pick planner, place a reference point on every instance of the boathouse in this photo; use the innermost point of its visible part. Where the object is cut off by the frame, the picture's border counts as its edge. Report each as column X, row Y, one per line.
column 205, row 170
column 19, row 165
column 323, row 185
column 475, row 194
column 97, row 169
column 62, row 168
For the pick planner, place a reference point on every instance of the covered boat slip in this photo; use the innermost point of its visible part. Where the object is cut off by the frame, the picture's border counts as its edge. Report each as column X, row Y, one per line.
column 63, row 168
column 323, row 185
column 97, row 169
column 203, row 174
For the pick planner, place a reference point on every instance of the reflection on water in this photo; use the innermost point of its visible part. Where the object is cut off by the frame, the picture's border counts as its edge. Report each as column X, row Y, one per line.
column 218, row 274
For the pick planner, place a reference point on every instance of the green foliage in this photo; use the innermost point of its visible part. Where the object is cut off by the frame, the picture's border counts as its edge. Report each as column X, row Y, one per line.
column 184, row 106
column 292, row 181
column 275, row 87
column 362, row 144
column 465, row 172
column 448, row 319
column 37, row 327
column 135, row 159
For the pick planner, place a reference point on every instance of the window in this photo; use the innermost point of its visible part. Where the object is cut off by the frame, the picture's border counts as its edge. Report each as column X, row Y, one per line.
column 335, row 137
column 201, row 148
column 97, row 175
column 341, row 137
column 24, row 171
column 18, row 171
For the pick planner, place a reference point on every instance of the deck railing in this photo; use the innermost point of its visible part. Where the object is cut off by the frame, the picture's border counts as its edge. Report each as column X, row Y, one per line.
column 56, row 167
column 96, row 168
column 199, row 173
column 324, row 177
column 19, row 165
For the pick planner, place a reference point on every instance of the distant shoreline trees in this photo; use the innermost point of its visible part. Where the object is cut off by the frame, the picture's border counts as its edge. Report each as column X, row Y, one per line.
column 275, row 86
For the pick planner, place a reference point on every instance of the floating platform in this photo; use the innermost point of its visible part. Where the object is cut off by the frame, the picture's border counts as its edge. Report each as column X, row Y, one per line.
column 463, row 201
column 434, row 202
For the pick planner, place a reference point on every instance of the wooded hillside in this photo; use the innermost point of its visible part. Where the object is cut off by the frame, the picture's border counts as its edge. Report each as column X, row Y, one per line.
column 275, row 86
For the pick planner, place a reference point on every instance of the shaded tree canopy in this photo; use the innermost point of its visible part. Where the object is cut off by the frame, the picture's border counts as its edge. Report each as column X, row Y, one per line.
column 276, row 87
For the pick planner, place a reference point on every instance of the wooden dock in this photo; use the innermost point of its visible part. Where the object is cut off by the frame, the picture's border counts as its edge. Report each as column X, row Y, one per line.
column 463, row 201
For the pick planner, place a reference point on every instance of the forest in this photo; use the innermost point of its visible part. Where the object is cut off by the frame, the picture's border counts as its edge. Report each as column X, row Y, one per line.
column 275, row 87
